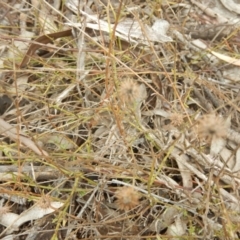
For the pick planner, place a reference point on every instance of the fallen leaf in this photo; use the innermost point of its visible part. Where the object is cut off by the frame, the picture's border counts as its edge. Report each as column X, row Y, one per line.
column 225, row 58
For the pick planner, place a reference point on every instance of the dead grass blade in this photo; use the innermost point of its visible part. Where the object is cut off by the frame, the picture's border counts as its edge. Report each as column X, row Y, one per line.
column 16, row 135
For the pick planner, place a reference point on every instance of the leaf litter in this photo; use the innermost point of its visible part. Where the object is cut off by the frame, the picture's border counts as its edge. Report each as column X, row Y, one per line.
column 119, row 119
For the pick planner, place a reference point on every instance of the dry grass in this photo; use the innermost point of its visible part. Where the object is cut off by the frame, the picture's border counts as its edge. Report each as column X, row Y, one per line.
column 138, row 141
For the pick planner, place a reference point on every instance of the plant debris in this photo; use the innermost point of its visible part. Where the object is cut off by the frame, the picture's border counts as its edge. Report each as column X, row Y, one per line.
column 119, row 119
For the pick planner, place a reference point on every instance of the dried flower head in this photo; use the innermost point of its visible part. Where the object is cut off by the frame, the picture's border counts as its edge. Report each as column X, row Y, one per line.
column 127, row 198
column 210, row 125
column 45, row 202
column 176, row 119
column 129, row 91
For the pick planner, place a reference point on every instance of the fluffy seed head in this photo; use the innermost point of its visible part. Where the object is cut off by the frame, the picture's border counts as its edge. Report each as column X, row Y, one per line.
column 45, row 202
column 129, row 91
column 210, row 125
column 176, row 119
column 127, row 198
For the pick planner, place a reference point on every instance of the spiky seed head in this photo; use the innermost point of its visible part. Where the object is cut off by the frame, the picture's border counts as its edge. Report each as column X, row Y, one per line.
column 127, row 198
column 45, row 202
column 176, row 119
column 211, row 125
column 129, row 91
